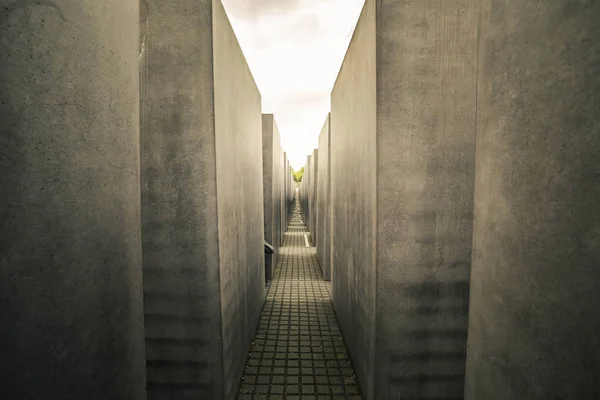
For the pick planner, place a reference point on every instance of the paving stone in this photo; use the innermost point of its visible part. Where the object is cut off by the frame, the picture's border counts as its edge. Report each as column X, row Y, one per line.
column 298, row 351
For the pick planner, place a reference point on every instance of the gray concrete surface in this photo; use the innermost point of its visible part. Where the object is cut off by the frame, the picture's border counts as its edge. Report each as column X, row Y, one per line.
column 241, row 220
column 302, row 191
column 323, row 202
column 289, row 187
column 535, row 289
column 273, row 171
column 312, row 201
column 278, row 189
column 284, row 201
column 292, row 190
column 425, row 184
column 285, row 182
column 70, row 271
column 202, row 203
column 179, row 208
column 405, row 210
column 268, row 186
column 353, row 198
column 305, row 191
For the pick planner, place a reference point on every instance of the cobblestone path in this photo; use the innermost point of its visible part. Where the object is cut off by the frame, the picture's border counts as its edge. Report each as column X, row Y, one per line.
column 298, row 351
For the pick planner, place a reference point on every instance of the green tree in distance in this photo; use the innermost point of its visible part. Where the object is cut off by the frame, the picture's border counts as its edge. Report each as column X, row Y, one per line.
column 298, row 175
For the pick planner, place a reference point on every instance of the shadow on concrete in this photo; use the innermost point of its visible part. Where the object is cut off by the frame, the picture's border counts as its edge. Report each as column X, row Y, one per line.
column 432, row 365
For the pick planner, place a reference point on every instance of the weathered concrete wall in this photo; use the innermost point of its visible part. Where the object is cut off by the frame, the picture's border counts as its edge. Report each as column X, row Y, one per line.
column 308, row 193
column 422, row 124
column 286, row 191
column 292, row 192
column 272, row 188
column 305, row 191
column 70, row 271
column 285, row 182
column 143, row 64
column 268, row 177
column 300, row 187
column 426, row 105
column 535, row 290
column 179, row 224
column 312, row 201
column 353, row 198
column 238, row 126
column 277, row 186
column 323, row 227
column 202, row 203
column 278, row 189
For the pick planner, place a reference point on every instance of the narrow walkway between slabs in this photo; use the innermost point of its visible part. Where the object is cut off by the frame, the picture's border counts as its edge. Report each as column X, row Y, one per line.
column 298, row 351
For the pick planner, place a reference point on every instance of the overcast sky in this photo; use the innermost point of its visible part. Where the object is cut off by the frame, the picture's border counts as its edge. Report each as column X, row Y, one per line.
column 295, row 49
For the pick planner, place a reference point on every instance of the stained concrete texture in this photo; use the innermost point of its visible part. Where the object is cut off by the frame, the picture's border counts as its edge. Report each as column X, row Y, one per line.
column 353, row 198
column 298, row 351
column 303, row 192
column 323, row 202
column 70, row 272
column 535, row 286
column 291, row 191
column 312, row 193
column 286, row 204
column 202, row 203
column 402, row 216
column 286, row 195
column 308, row 193
column 273, row 172
column 282, row 197
column 293, row 187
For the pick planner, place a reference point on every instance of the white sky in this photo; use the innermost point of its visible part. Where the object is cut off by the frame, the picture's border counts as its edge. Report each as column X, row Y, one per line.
column 295, row 49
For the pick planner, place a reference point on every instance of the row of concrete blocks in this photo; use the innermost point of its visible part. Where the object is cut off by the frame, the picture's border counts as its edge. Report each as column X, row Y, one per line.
column 278, row 191
column 131, row 201
column 457, row 199
column 307, row 195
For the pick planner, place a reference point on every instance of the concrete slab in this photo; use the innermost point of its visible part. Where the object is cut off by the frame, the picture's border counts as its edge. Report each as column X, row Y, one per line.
column 273, row 171
column 70, row 272
column 402, row 216
column 353, row 196
column 202, row 203
column 323, row 202
column 535, row 283
column 314, row 182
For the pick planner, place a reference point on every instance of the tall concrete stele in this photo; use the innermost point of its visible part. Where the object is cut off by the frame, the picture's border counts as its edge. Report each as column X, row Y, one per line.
column 273, row 175
column 304, row 192
column 308, row 194
column 407, row 177
column 323, row 201
column 402, row 177
column 312, row 195
column 71, row 322
column 535, row 281
column 202, row 202
column 292, row 186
